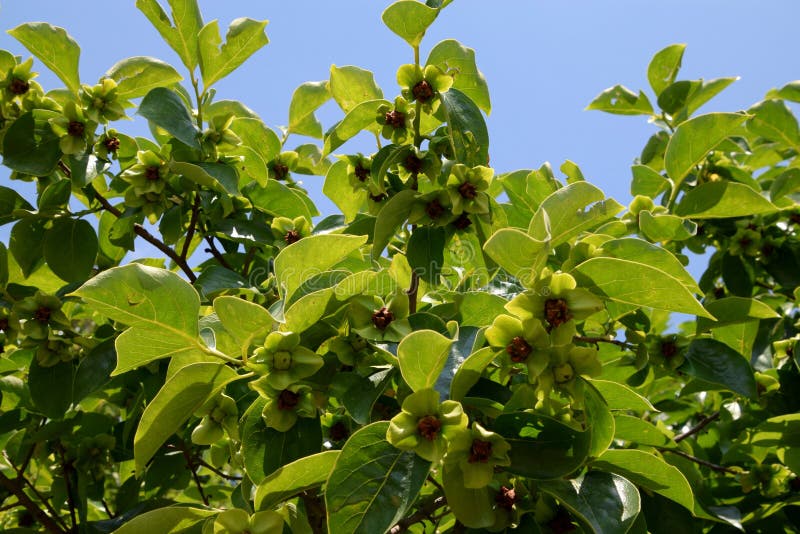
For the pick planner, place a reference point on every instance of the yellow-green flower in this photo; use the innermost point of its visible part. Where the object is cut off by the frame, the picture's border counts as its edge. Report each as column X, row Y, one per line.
column 521, row 342
column 101, row 102
column 745, row 242
column 423, row 85
column 149, row 174
column 467, row 188
column 359, row 169
column 56, row 350
column 567, row 362
column 238, row 521
column 431, row 209
column 373, row 318
column 284, row 406
column 557, row 302
column 219, row 415
column 73, row 128
column 39, row 313
column 18, row 82
column 425, row 426
column 284, row 361
column 397, row 121
column 282, row 165
column 476, row 452
column 288, row 231
column 219, row 136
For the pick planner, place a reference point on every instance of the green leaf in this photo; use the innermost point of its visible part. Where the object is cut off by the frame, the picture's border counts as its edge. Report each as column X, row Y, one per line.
column 735, row 310
column 568, row 214
column 200, row 173
column 773, row 120
column 647, row 182
column 337, row 188
column 603, row 502
column 259, row 138
column 310, row 256
column 517, row 252
column 470, row 371
column 30, row 147
column 160, row 307
column 51, row 387
column 422, row 356
column 54, row 48
column 621, row 101
column 715, row 362
column 306, row 99
column 391, row 216
column 306, row 311
column 243, row 320
column 472, row 507
column 638, row 250
column 363, row 393
column 648, row 471
column 167, row 519
column 636, row 430
column 359, row 118
column 785, row 183
column 466, row 127
column 372, row 484
column 621, row 397
column 425, row 252
column 136, row 76
column 541, row 447
column 265, row 449
column 182, row 37
column 694, row 139
column 409, row 19
column 11, row 201
column 721, row 199
column 705, row 92
column 778, row 435
column 459, row 61
column 601, row 423
column 166, row 109
column 278, row 200
column 55, row 196
column 188, row 390
column 664, row 67
column 291, row 479
column 350, row 86
column 70, row 248
column 639, row 284
column 26, row 243
column 665, row 227
column 244, row 38
column 790, row 91
column 94, row 370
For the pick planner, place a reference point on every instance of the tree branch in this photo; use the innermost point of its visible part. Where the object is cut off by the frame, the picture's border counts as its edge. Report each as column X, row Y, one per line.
column 14, row 488
column 700, row 461
column 226, row 476
column 142, row 232
column 596, row 340
column 192, row 226
column 315, row 511
column 698, row 427
column 20, row 471
column 423, row 513
column 190, row 463
column 212, row 249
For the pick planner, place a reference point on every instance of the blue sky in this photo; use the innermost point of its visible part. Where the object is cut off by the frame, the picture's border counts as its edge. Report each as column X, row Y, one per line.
column 544, row 62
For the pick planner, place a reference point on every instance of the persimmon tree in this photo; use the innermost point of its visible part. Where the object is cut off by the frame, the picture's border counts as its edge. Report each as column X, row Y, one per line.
column 458, row 350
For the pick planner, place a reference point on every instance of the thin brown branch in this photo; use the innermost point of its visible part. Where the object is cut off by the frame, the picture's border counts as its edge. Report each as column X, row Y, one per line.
column 212, row 249
column 142, row 232
column 596, row 340
column 13, row 487
column 20, row 471
column 424, row 512
column 192, row 226
column 248, row 260
column 700, row 461
column 68, row 470
column 226, row 476
column 698, row 427
column 192, row 465
column 315, row 511
column 412, row 293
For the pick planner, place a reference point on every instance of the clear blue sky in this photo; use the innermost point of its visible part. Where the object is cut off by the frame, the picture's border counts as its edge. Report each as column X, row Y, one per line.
column 544, row 61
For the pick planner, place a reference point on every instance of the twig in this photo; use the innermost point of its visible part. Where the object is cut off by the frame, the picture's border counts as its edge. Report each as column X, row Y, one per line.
column 248, row 260
column 315, row 511
column 424, row 512
column 192, row 226
column 190, row 463
column 111, row 514
column 21, row 476
column 712, row 466
column 212, row 248
column 596, row 340
column 435, row 483
column 200, row 461
column 142, row 232
column 698, row 427
column 68, row 470
column 412, row 293
column 45, row 520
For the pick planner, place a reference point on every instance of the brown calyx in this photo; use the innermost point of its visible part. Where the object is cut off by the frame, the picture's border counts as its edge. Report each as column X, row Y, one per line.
column 395, row 119
column 382, row 318
column 151, row 173
column 423, row 91
column 287, row 400
column 480, row 452
column 75, row 128
column 429, row 427
column 467, row 190
column 292, row 236
column 434, row 209
column 412, row 163
column 19, row 86
column 280, row 170
column 361, row 172
column 42, row 314
column 518, row 349
column 111, row 144
column 556, row 312
column 506, row 498
column 463, row 222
